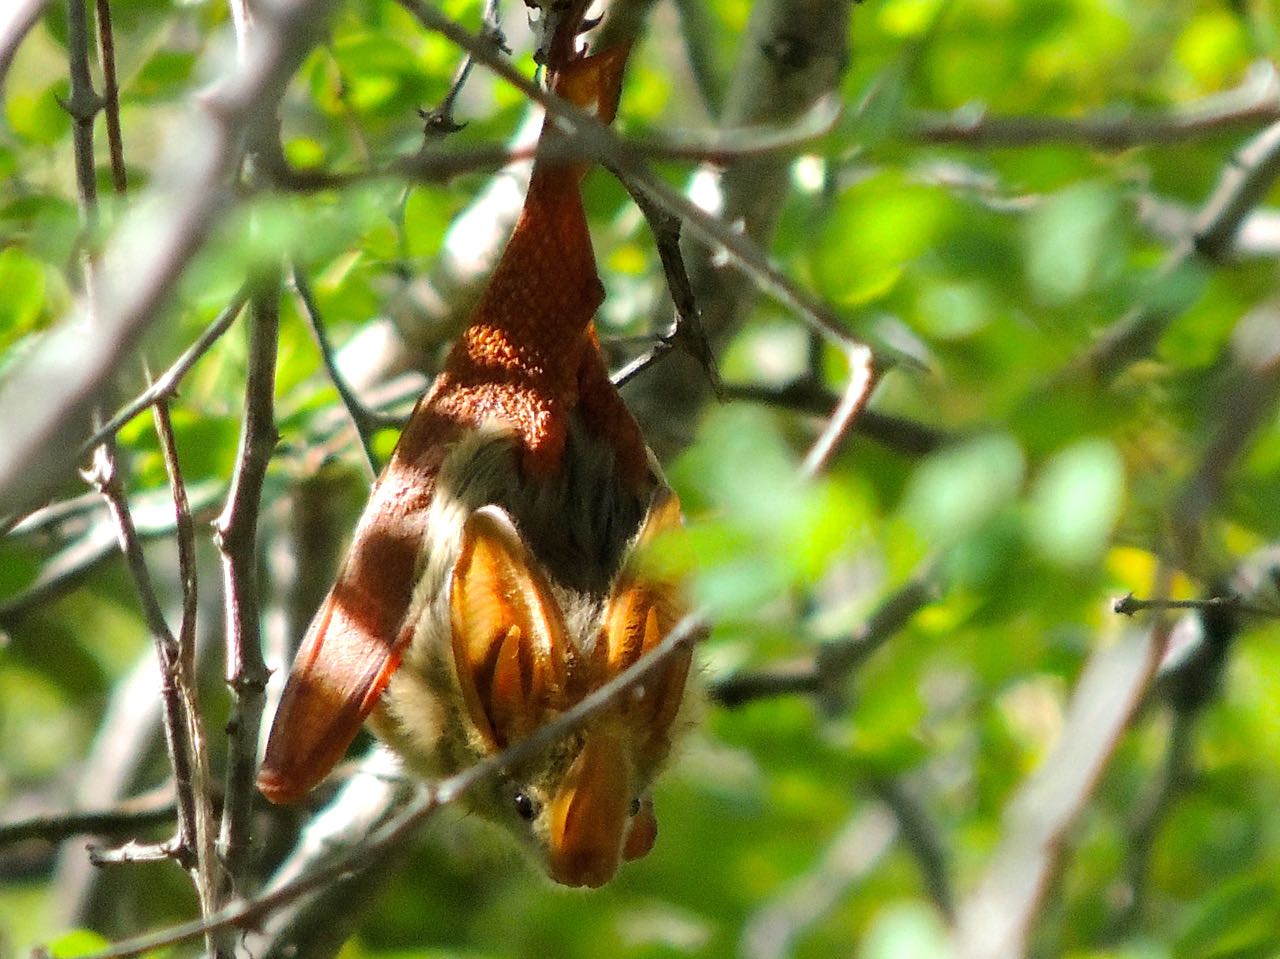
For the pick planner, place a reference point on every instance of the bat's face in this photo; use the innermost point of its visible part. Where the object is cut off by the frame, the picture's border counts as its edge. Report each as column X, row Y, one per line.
column 502, row 648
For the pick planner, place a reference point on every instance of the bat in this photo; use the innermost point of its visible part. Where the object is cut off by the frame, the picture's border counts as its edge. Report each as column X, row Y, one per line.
column 492, row 582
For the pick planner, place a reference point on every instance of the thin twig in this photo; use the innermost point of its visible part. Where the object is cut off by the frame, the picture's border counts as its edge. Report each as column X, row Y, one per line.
column 111, row 97
column 440, row 120
column 434, row 165
column 167, row 383
column 862, row 380
column 248, row 913
column 362, row 420
column 145, row 812
column 236, row 533
column 827, row 671
column 806, row 396
column 1129, row 605
column 687, row 333
column 918, row 831
column 207, row 870
column 177, row 698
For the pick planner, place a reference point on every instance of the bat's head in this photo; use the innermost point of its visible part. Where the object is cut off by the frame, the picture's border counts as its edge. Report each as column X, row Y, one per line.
column 519, row 650
column 524, row 652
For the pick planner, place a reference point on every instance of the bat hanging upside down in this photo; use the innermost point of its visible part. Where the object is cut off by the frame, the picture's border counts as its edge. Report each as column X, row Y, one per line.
column 490, row 584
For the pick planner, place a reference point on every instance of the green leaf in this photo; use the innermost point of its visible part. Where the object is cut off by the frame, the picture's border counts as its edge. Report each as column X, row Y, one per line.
column 1075, row 502
column 954, row 492
column 22, row 280
column 1070, row 239
column 907, row 931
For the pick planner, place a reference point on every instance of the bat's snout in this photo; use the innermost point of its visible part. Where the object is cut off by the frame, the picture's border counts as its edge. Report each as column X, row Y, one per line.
column 589, row 815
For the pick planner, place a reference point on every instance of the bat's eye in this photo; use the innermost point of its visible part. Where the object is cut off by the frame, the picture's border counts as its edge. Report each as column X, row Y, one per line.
column 635, row 806
column 525, row 805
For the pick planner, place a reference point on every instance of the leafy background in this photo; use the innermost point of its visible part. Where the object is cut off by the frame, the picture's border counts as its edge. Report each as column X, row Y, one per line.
column 790, row 825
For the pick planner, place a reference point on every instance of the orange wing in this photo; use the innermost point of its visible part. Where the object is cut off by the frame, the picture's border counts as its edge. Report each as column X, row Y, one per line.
column 356, row 640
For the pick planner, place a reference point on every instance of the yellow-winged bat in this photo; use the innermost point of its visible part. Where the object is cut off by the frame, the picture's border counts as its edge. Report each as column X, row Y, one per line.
column 489, row 585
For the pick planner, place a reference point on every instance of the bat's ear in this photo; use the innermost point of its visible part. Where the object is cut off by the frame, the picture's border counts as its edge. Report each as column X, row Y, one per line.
column 642, row 610
column 510, row 648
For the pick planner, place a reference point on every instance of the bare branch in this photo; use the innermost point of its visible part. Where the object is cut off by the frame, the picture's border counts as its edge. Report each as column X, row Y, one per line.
column 921, row 837
column 106, row 480
column 862, row 380
column 207, row 870
column 1254, row 103
column 1242, row 185
column 996, row 919
column 192, row 843
column 83, row 104
column 1129, row 605
column 236, row 533
column 362, row 420
column 157, row 809
column 687, row 333
column 111, row 97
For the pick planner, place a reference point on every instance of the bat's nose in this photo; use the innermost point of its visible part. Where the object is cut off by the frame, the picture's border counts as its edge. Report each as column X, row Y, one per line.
column 589, row 814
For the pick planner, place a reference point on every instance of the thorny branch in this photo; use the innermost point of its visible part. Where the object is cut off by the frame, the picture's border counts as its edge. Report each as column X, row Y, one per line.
column 1130, row 605
column 440, row 120
column 236, row 535
column 191, row 845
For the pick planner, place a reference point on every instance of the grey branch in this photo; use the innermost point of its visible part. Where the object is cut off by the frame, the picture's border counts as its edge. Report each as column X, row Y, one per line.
column 1242, row 185
column 236, row 533
column 1254, row 103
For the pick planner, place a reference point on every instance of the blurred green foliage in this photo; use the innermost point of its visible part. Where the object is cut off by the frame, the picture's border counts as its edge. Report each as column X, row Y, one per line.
column 995, row 267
